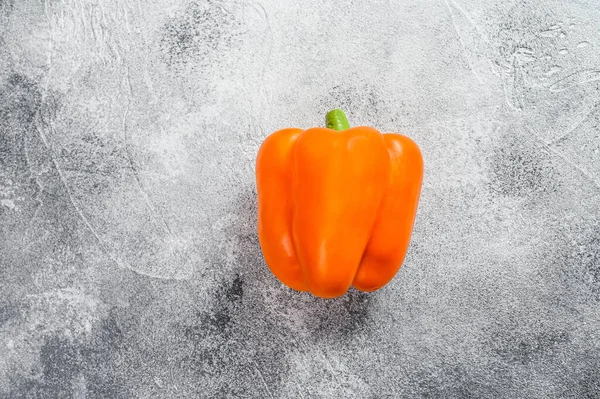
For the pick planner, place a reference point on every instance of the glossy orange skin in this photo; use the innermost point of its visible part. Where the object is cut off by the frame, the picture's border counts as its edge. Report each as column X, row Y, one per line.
column 336, row 208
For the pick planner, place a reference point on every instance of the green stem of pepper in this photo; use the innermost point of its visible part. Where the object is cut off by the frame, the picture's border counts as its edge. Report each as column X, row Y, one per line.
column 336, row 120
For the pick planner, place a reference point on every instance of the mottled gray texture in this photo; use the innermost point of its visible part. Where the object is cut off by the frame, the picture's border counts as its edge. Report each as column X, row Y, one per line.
column 129, row 261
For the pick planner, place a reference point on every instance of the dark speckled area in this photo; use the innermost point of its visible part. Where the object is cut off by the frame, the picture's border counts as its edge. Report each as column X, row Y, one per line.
column 201, row 29
column 130, row 265
column 520, row 167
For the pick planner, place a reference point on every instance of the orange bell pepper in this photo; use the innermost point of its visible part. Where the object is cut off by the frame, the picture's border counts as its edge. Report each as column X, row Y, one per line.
column 336, row 205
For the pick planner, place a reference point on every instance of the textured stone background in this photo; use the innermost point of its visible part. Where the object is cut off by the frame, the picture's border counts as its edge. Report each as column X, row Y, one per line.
column 129, row 262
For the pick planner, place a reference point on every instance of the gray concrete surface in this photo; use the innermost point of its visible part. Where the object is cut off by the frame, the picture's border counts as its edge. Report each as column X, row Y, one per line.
column 129, row 262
